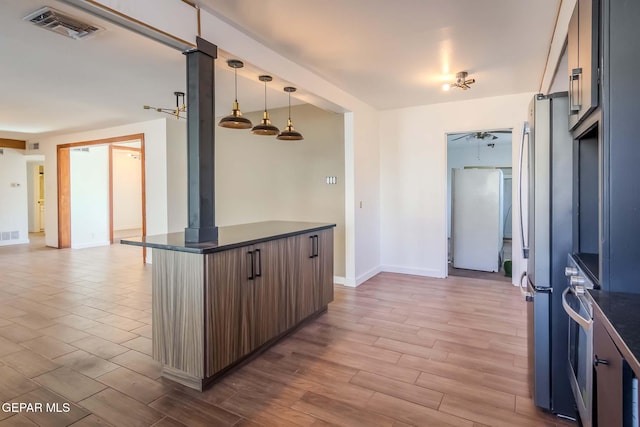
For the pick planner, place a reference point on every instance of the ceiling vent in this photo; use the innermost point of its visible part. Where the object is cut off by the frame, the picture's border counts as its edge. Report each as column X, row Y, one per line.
column 58, row 22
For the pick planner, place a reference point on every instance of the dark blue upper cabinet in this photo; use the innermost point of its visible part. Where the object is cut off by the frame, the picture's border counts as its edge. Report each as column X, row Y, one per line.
column 582, row 53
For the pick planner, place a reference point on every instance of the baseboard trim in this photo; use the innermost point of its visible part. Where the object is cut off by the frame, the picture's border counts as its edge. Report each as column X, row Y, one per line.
column 363, row 277
column 426, row 272
column 14, row 242
column 339, row 280
column 90, row 245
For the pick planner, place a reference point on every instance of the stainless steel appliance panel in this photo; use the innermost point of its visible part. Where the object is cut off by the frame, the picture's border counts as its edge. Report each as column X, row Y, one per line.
column 578, row 305
column 539, row 203
column 539, row 346
column 548, row 167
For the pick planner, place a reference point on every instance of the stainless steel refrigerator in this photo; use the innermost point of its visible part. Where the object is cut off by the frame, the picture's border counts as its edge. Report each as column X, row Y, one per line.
column 546, row 181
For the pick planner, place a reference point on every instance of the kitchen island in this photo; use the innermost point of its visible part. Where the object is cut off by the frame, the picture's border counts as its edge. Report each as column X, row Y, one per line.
column 217, row 304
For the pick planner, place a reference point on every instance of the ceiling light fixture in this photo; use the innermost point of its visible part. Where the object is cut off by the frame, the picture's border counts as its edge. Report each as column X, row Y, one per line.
column 289, row 133
column 235, row 119
column 265, row 127
column 181, row 107
column 461, row 81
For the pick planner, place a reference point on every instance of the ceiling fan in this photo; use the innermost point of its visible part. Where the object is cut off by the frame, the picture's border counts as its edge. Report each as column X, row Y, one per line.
column 481, row 135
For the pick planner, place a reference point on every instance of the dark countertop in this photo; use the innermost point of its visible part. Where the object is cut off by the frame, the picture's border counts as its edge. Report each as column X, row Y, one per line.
column 229, row 237
column 622, row 312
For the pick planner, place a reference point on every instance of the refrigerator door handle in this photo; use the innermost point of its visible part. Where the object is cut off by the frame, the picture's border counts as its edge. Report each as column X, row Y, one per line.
column 525, row 293
column 584, row 323
column 525, row 132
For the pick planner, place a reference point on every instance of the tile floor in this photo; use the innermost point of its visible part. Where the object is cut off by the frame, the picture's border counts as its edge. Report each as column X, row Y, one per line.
column 75, row 329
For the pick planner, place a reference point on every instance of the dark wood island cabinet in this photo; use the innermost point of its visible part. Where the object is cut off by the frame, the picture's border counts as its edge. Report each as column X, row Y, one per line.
column 214, row 305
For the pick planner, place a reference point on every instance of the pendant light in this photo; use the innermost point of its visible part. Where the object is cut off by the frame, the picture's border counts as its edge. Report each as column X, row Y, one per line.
column 181, row 107
column 265, row 127
column 289, row 133
column 235, row 119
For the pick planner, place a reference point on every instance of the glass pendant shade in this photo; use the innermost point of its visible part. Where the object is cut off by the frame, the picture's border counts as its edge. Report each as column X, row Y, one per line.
column 235, row 119
column 289, row 133
column 265, row 127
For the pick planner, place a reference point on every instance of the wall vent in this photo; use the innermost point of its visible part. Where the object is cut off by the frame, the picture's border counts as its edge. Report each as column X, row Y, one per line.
column 61, row 23
column 34, row 146
column 9, row 235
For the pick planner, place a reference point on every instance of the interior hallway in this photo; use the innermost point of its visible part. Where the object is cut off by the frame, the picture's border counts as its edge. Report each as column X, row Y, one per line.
column 75, row 326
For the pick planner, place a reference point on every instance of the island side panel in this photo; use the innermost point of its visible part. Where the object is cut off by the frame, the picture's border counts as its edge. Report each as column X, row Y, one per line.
column 178, row 313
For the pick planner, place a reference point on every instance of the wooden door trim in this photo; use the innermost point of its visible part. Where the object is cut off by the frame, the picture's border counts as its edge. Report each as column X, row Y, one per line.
column 64, row 197
column 64, row 184
column 13, row 143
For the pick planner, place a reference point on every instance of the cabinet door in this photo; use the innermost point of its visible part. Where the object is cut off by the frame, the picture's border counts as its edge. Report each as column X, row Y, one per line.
column 573, row 64
column 324, row 266
column 228, row 305
column 582, row 55
column 588, row 24
column 269, row 313
column 608, row 369
column 302, row 299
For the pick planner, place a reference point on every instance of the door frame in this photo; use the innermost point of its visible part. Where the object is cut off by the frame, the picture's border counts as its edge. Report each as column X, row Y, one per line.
column 144, row 208
column 448, row 212
column 64, row 185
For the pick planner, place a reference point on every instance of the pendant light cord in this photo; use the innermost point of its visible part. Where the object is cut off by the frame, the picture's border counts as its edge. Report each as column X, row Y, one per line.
column 235, row 71
column 265, row 96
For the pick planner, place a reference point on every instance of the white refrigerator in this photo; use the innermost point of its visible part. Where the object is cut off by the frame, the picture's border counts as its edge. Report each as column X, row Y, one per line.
column 476, row 218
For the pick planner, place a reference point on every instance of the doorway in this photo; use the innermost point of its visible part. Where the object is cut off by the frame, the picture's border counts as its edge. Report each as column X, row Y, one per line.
column 479, row 197
column 84, row 170
column 125, row 207
column 35, row 199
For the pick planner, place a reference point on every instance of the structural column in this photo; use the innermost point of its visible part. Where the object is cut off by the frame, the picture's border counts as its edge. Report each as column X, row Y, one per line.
column 201, row 143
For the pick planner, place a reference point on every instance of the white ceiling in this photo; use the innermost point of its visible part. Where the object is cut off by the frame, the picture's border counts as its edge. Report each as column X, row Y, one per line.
column 389, row 54
column 394, row 54
column 461, row 140
column 51, row 84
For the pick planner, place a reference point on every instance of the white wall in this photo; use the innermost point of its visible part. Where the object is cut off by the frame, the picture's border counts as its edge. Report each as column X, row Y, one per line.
column 259, row 178
column 155, row 132
column 362, row 166
column 474, row 152
column 363, row 161
column 127, row 191
column 413, row 174
column 13, row 198
column 176, row 164
column 89, row 197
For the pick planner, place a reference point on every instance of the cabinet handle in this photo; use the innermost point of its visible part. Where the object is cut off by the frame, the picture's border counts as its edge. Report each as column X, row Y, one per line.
column 259, row 261
column 251, row 275
column 315, row 254
column 575, row 77
column 312, row 247
column 597, row 361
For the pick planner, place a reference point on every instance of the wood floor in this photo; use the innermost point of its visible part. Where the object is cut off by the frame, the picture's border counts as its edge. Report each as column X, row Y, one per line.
column 398, row 350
